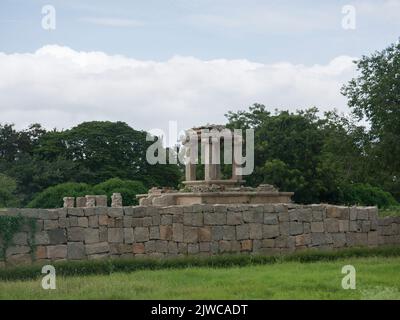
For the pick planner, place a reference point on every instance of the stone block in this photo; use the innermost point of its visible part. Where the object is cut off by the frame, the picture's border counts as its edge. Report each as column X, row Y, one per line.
column 90, row 212
column 365, row 226
column 166, row 232
column 295, row 228
column 50, row 224
column 172, row 247
column 147, row 221
column 205, row 234
column 284, row 228
column 166, row 219
column 229, row 233
column 141, row 234
column 57, row 236
column 20, row 238
column 234, row 218
column 93, row 221
column 256, row 231
column 217, row 232
column 344, row 225
column 305, row 215
column 57, row 252
column 318, row 238
column 154, row 233
column 190, row 234
column 331, row 225
column 95, row 248
column 101, row 201
column 204, row 246
column 243, row 232
column 317, row 215
column 303, row 240
column 81, row 202
column 271, row 218
column 138, row 248
column 339, row 240
column 128, row 235
column 75, row 212
column 283, row 216
column 115, row 212
column 317, row 227
column 225, row 246
column 362, row 213
column 353, row 213
column 214, row 218
column 83, row 222
column 76, row 234
column 91, row 235
column 41, row 252
column 268, row 243
column 63, row 223
column 177, row 232
column 373, row 238
column 76, row 251
column 270, row 231
column 356, row 239
column 116, row 235
column 162, row 246
column 246, row 245
column 193, row 248
column 182, row 248
column 42, row 238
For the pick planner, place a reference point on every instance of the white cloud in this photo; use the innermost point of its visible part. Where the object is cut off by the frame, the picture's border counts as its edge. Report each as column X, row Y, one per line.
column 112, row 22
column 60, row 87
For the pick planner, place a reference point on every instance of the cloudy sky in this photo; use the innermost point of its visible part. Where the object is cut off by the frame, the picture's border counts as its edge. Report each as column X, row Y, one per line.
column 150, row 62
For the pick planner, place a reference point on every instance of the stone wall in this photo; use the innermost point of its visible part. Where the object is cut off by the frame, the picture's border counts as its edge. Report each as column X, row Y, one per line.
column 99, row 232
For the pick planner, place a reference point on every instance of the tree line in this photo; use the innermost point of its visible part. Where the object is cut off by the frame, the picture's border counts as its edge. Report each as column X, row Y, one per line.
column 335, row 158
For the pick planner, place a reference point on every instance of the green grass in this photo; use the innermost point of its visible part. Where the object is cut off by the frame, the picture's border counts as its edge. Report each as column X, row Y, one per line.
column 377, row 278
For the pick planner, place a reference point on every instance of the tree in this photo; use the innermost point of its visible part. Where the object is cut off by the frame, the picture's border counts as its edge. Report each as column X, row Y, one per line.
column 7, row 192
column 375, row 95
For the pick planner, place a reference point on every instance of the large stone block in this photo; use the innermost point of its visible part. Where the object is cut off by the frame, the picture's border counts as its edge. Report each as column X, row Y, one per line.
column 190, row 234
column 243, row 232
column 305, row 215
column 177, row 232
column 214, row 218
column 303, row 240
column 162, row 246
column 193, row 248
column 339, row 240
column 331, row 225
column 318, row 238
column 255, row 231
column 116, row 235
column 101, row 247
column 296, row 228
column 317, row 227
column 93, row 221
column 373, row 239
column 229, row 233
column 115, row 212
column 154, row 233
column 271, row 218
column 20, row 238
column 217, row 232
column 141, row 234
column 362, row 213
column 76, row 251
column 234, row 218
column 50, row 224
column 75, row 212
column 166, row 219
column 57, row 252
column 76, row 234
column 57, row 236
column 172, row 247
column 128, row 235
column 270, row 231
column 83, row 222
column 166, row 232
column 138, row 248
column 205, row 234
column 91, row 235
column 42, row 238
column 246, row 245
column 356, row 239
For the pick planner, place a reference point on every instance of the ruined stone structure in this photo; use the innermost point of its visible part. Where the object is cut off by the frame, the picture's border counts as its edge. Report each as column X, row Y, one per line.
column 212, row 189
column 141, row 231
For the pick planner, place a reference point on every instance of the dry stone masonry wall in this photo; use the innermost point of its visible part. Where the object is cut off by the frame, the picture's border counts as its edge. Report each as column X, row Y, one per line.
column 75, row 233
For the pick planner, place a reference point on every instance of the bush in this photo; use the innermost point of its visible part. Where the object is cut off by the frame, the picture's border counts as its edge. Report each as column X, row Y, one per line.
column 128, row 189
column 52, row 197
column 366, row 195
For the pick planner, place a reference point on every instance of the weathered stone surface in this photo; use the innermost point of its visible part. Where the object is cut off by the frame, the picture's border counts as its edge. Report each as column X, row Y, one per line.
column 270, row 231
column 138, row 248
column 317, row 227
column 76, row 212
column 295, row 228
column 362, row 213
column 166, row 232
column 50, row 224
column 20, row 238
column 42, row 238
column 256, row 231
column 94, row 248
column 141, row 234
column 246, row 245
column 193, row 248
column 81, row 202
column 162, row 246
column 190, row 234
column 318, row 238
column 271, row 218
column 76, row 251
column 356, row 239
column 154, row 232
column 91, row 235
column 243, row 232
column 214, row 218
column 57, row 236
column 83, row 222
column 57, row 252
column 332, row 225
column 115, row 212
column 229, row 233
column 101, row 201
column 339, row 240
column 116, row 235
column 204, row 234
column 177, row 232
column 234, row 218
column 305, row 215
column 76, row 234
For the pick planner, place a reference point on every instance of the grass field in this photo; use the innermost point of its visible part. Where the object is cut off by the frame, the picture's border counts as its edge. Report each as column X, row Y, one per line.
column 377, row 278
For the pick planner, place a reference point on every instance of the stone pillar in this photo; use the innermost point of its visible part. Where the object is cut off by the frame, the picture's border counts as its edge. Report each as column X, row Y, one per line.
column 190, row 167
column 69, row 202
column 116, row 200
column 216, row 158
column 208, row 167
column 81, row 202
column 101, row 201
column 90, row 201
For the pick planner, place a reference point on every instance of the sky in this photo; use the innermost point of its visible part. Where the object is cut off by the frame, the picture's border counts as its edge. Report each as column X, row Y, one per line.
column 151, row 62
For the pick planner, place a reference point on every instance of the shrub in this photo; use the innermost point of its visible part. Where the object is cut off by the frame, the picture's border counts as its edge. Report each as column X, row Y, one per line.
column 128, row 189
column 366, row 195
column 52, row 197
